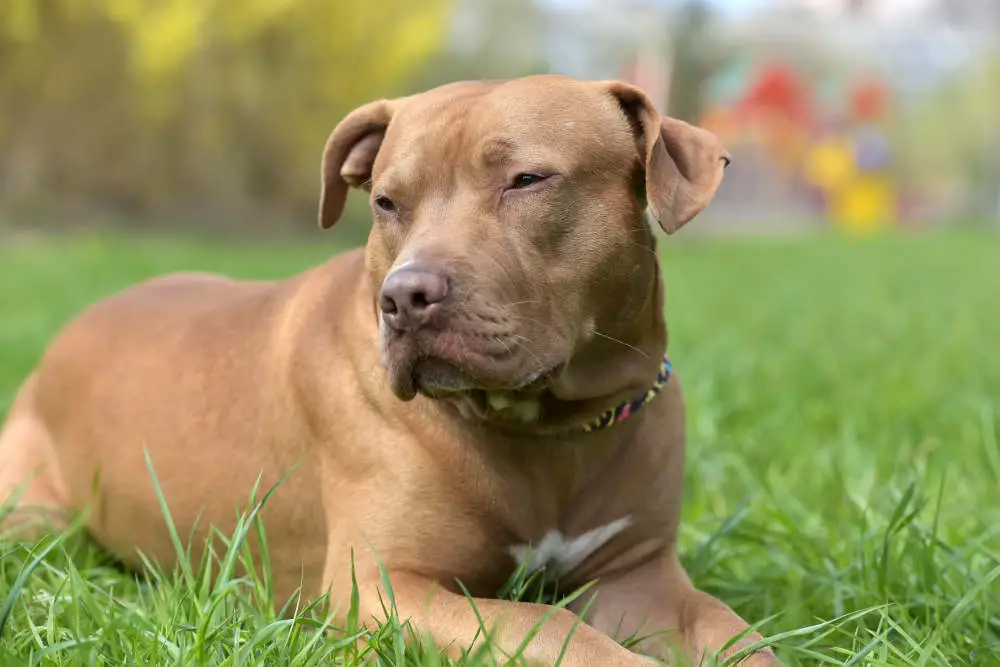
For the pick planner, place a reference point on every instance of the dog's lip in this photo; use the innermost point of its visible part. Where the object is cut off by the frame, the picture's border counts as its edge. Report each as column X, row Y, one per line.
column 448, row 377
column 442, row 378
column 515, row 402
column 537, row 381
column 435, row 377
column 439, row 366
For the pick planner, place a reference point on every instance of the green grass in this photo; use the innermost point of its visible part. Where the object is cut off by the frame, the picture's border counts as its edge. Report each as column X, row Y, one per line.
column 843, row 475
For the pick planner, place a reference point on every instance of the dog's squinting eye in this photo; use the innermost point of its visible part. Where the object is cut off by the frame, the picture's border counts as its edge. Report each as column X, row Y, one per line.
column 385, row 203
column 525, row 180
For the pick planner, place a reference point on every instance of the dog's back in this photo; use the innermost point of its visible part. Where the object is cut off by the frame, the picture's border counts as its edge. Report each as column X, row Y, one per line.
column 174, row 346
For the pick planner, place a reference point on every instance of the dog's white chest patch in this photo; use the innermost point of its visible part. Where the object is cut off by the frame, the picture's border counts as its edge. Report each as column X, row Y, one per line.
column 560, row 555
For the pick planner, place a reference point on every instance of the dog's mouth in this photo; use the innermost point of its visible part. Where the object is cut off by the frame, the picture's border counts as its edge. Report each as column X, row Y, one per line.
column 522, row 406
column 485, row 393
column 482, row 405
column 487, row 377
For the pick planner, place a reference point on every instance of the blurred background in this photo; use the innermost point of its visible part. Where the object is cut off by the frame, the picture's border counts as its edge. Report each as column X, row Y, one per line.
column 210, row 115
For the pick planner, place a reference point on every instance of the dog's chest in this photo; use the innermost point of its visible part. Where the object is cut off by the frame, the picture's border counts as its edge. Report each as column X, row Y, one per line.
column 559, row 554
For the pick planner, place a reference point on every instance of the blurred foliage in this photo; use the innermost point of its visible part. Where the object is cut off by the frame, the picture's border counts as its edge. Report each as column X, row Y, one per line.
column 697, row 56
column 484, row 32
column 214, row 112
column 167, row 105
column 959, row 139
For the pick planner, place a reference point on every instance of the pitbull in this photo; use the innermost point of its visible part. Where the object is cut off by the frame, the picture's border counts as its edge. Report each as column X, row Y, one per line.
column 483, row 387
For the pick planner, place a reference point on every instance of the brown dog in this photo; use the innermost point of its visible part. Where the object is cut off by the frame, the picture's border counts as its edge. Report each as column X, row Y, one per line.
column 484, row 385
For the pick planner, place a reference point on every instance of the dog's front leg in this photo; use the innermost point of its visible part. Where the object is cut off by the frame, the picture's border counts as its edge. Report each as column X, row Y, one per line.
column 657, row 605
column 454, row 624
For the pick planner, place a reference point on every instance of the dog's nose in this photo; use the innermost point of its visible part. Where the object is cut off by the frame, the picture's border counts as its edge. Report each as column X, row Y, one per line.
column 410, row 296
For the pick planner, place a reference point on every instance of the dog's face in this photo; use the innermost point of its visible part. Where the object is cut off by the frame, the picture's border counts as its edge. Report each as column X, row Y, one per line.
column 508, row 226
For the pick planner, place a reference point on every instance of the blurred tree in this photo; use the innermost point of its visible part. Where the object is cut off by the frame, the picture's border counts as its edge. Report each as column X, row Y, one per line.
column 952, row 140
column 482, row 35
column 697, row 57
column 201, row 105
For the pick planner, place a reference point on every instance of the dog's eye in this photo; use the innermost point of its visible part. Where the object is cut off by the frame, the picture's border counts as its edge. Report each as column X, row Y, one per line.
column 385, row 203
column 525, row 180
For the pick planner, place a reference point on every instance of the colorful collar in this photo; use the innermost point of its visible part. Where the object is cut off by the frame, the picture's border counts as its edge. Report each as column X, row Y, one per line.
column 618, row 414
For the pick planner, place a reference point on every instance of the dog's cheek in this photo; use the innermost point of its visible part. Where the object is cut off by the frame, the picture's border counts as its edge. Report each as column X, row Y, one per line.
column 552, row 222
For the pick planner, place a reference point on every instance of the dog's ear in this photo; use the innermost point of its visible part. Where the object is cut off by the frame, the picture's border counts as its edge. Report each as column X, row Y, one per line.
column 349, row 155
column 683, row 164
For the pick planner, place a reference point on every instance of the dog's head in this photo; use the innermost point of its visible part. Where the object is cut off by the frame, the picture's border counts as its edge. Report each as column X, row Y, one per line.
column 509, row 227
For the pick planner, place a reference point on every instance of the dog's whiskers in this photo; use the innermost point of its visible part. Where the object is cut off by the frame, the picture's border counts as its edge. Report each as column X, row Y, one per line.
column 519, row 303
column 644, row 248
column 510, row 352
column 620, row 342
column 528, row 318
column 541, row 366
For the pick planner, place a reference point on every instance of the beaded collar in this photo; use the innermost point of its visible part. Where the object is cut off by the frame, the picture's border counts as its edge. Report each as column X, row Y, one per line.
column 620, row 413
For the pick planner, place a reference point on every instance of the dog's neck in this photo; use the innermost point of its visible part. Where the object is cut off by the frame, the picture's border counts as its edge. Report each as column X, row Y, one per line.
column 611, row 376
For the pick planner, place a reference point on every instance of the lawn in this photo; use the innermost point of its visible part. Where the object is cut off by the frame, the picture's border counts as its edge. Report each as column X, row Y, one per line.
column 843, row 417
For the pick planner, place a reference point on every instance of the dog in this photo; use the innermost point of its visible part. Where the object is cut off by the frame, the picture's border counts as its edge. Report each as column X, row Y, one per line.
column 483, row 387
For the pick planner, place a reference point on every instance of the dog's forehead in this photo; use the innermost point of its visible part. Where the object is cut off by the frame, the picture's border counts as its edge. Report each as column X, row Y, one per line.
column 535, row 100
column 491, row 121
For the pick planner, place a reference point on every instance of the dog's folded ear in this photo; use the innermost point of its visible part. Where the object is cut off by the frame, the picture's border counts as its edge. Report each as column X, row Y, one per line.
column 350, row 154
column 683, row 164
